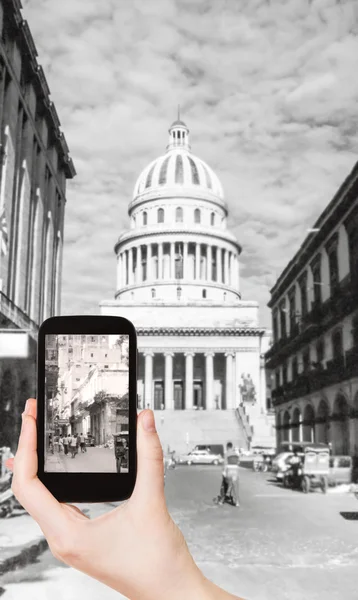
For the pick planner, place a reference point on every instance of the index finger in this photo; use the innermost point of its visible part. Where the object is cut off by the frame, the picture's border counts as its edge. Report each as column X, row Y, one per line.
column 28, row 489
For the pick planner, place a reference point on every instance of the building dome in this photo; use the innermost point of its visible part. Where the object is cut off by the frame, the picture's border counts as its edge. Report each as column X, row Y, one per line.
column 179, row 170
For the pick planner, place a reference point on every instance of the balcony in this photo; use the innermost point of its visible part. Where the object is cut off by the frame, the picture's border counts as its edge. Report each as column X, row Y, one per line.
column 337, row 370
column 16, row 317
column 321, row 318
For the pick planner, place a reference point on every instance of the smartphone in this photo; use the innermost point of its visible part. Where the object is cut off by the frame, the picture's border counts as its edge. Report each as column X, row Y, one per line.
column 87, row 408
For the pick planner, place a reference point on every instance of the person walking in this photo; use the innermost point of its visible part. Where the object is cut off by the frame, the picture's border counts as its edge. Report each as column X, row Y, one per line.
column 230, row 479
column 73, row 445
column 77, row 442
column 65, row 444
column 60, row 444
column 83, row 443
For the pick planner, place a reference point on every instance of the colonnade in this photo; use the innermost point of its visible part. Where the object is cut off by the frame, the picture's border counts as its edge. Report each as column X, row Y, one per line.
column 187, row 382
column 178, row 260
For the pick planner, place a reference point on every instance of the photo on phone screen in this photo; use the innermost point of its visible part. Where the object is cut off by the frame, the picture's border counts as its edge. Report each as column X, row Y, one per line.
column 87, row 403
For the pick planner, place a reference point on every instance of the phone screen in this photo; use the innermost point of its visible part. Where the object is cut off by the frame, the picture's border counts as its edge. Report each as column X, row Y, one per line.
column 86, row 424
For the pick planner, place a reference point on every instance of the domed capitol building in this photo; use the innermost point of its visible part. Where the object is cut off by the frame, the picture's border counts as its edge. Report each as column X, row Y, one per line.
column 200, row 346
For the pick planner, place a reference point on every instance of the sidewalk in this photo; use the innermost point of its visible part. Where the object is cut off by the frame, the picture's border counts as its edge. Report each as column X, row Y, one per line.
column 21, row 541
column 54, row 463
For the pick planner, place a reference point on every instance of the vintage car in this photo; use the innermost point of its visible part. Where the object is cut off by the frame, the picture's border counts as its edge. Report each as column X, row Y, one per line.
column 312, row 468
column 340, row 470
column 201, row 457
column 281, row 464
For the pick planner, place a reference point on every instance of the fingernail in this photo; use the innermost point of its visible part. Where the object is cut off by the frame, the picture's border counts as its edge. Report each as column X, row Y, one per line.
column 149, row 422
column 27, row 407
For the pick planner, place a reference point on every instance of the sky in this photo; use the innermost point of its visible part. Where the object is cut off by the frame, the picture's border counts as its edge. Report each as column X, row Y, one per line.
column 268, row 89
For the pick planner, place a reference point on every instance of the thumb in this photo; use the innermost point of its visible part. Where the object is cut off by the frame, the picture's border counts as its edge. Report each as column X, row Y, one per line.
column 150, row 467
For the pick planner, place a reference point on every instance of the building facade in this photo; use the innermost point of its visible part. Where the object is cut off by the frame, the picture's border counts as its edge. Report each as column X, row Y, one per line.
column 314, row 357
column 178, row 281
column 34, row 167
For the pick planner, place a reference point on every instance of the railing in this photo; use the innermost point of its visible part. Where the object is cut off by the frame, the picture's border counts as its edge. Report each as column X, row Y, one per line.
column 338, row 369
column 244, row 424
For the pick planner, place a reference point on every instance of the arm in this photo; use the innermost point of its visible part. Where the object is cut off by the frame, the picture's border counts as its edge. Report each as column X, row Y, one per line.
column 136, row 549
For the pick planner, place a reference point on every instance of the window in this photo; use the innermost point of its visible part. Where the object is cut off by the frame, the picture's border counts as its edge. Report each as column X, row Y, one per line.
column 106, row 366
column 145, row 218
column 78, row 379
column 105, row 356
column 292, row 301
column 320, row 349
column 306, row 360
column 179, row 293
column 285, row 374
column 275, row 326
column 337, row 344
column 317, row 280
column 91, row 355
column 197, row 216
column 303, row 292
column 333, row 269
column 153, row 293
column 294, row 368
column 212, row 219
column 283, row 320
column 277, row 379
column 355, row 331
column 160, row 216
column 179, row 215
column 204, row 293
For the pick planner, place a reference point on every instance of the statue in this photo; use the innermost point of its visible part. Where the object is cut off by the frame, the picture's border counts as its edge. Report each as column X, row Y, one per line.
column 247, row 389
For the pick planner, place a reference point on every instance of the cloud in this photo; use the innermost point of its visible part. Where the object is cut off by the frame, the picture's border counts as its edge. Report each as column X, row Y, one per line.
column 268, row 89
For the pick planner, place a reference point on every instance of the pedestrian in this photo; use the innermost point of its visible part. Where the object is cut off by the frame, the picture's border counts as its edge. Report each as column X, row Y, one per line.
column 56, row 444
column 73, row 445
column 230, row 480
column 65, row 444
column 83, row 443
column 77, row 443
column 60, row 444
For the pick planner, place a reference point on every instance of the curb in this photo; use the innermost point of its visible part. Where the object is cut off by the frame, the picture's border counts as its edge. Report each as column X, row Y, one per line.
column 25, row 555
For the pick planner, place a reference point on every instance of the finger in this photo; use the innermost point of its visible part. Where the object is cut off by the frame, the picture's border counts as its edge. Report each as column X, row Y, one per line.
column 9, row 464
column 29, row 490
column 150, row 470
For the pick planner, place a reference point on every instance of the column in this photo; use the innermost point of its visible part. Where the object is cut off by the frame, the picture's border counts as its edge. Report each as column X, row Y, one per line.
column 236, row 378
column 226, row 267
column 209, row 269
column 172, row 260
column 185, row 261
column 219, row 267
column 197, row 261
column 139, row 264
column 189, row 380
column 168, row 390
column 149, row 262
column 230, row 270
column 160, row 261
column 124, row 254
column 148, row 382
column 209, row 381
column 130, row 266
column 229, row 380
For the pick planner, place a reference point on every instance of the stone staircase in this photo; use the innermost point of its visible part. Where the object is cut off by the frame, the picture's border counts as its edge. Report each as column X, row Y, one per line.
column 260, row 425
column 183, row 430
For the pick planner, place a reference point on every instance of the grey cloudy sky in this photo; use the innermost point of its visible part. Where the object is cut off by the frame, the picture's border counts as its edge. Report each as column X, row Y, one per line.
column 268, row 89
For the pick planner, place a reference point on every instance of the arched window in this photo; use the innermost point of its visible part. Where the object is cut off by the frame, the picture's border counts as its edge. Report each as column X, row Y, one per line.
column 212, row 218
column 197, row 216
column 145, row 218
column 153, row 293
column 337, row 343
column 160, row 215
column 178, row 293
column 204, row 293
column 179, row 215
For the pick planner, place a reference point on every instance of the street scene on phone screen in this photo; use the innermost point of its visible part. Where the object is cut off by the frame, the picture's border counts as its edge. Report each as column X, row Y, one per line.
column 86, row 398
column 203, row 184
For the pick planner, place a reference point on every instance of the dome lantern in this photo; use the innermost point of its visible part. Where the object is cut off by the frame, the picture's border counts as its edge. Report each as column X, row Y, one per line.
column 178, row 135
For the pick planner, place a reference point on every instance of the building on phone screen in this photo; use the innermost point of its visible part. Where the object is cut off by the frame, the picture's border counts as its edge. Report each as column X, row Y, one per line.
column 200, row 344
column 34, row 167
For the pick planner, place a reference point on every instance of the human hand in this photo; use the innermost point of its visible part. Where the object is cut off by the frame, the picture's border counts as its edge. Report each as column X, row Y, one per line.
column 136, row 548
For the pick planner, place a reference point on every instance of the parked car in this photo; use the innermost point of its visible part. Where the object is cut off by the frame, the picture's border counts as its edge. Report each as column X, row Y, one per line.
column 340, row 470
column 213, row 448
column 201, row 457
column 89, row 441
column 281, row 464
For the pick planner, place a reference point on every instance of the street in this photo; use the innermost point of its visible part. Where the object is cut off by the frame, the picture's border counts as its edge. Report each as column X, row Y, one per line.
column 278, row 545
column 95, row 460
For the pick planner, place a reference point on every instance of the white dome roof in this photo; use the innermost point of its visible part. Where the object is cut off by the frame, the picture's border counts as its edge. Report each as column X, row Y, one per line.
column 178, row 168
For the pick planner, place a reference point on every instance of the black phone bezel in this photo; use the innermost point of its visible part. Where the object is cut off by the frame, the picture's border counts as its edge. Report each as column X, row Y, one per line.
column 88, row 487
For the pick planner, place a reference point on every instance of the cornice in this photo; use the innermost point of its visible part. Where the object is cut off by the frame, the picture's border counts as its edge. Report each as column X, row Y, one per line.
column 201, row 331
column 150, row 351
column 132, row 235
column 176, row 192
